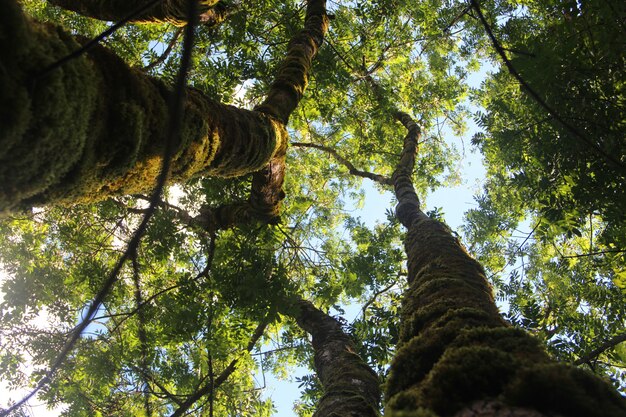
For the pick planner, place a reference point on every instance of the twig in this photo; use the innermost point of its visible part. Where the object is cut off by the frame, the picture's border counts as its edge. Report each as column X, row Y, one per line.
column 165, row 53
column 214, row 383
column 381, row 179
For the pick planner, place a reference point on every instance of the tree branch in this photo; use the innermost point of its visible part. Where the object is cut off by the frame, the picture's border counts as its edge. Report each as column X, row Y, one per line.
column 223, row 376
column 381, row 179
column 611, row 343
column 170, row 11
column 170, row 46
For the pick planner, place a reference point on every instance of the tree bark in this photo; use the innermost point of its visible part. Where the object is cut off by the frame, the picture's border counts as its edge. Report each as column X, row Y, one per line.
column 351, row 388
column 170, row 11
column 456, row 355
column 95, row 127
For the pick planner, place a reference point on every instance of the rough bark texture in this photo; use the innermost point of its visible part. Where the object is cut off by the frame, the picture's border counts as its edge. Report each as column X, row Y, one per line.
column 292, row 79
column 95, row 127
column 283, row 97
column 351, row 388
column 456, row 356
column 170, row 11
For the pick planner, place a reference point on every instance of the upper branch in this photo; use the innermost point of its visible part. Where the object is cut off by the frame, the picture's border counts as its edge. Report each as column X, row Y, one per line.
column 289, row 85
column 381, row 179
column 611, row 343
column 211, row 385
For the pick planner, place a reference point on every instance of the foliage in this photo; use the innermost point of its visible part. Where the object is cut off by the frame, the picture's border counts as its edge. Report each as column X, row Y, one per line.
column 565, row 266
column 187, row 306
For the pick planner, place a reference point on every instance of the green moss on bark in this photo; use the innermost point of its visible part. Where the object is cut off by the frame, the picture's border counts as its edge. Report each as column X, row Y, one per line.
column 168, row 11
column 456, row 356
column 94, row 127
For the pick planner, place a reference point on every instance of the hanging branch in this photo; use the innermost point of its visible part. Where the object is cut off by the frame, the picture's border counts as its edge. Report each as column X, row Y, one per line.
column 223, row 376
column 133, row 245
column 535, row 96
column 141, row 333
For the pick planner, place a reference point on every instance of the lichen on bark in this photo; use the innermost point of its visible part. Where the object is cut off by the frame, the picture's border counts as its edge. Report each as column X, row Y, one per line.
column 351, row 387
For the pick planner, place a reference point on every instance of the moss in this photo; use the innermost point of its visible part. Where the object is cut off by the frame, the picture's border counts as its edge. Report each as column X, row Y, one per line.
column 556, row 388
column 56, row 107
column 169, row 11
column 93, row 127
column 417, row 357
column 464, row 375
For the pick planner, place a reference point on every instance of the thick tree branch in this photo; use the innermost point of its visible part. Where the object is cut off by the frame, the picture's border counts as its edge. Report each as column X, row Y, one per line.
column 609, row 344
column 351, row 388
column 381, row 179
column 293, row 74
column 110, row 124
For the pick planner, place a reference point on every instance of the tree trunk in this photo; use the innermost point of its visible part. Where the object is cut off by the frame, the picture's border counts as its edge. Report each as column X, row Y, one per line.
column 95, row 127
column 170, row 11
column 350, row 386
column 456, row 356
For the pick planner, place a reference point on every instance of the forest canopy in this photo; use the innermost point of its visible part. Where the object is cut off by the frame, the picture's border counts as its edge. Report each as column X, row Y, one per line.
column 178, row 184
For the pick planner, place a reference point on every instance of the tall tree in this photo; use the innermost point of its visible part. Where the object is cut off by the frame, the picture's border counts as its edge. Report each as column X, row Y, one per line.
column 224, row 285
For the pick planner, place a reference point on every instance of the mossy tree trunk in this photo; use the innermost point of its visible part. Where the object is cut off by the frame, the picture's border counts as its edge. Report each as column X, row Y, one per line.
column 94, row 127
column 351, row 387
column 170, row 11
column 456, row 355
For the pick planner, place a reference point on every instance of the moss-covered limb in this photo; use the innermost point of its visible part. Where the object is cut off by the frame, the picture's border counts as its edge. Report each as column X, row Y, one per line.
column 170, row 11
column 351, row 388
column 456, row 356
column 95, row 127
column 381, row 179
column 408, row 208
column 293, row 74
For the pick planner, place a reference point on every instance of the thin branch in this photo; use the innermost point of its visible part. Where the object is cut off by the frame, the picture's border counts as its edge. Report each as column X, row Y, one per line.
column 582, row 255
column 535, row 96
column 214, row 383
column 381, row 179
column 141, row 332
column 165, row 53
column 612, row 342
column 375, row 296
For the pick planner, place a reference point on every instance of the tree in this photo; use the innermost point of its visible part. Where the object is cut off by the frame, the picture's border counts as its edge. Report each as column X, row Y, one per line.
column 181, row 317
